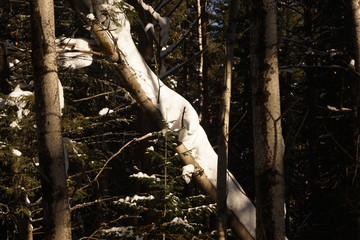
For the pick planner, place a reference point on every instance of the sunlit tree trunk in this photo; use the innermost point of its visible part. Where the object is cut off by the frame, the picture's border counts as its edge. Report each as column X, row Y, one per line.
column 57, row 223
column 204, row 115
column 268, row 141
column 223, row 139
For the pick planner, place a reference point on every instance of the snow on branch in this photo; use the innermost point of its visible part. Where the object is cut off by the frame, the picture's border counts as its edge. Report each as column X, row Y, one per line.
column 74, row 53
column 164, row 22
column 178, row 114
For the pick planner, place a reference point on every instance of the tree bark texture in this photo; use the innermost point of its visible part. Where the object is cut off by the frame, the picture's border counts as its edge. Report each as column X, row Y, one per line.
column 206, row 186
column 57, row 223
column 204, row 115
column 268, row 141
column 223, row 139
column 355, row 5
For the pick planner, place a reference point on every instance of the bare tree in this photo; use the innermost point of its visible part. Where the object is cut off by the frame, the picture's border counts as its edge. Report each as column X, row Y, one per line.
column 223, row 139
column 57, row 224
column 268, row 141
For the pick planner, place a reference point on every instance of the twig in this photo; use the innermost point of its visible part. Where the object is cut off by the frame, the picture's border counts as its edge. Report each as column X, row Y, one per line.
column 97, row 95
column 241, row 118
column 102, row 227
column 122, row 148
column 341, row 147
column 82, row 51
column 164, row 75
column 117, row 153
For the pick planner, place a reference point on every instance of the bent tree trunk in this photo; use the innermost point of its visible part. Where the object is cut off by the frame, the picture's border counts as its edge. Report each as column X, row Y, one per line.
column 51, row 154
column 268, row 141
column 167, row 109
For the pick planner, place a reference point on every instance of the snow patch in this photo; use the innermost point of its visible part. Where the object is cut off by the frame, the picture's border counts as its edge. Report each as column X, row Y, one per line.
column 180, row 221
column 144, row 175
column 122, row 232
column 18, row 92
column 16, row 152
column 15, row 124
column 74, row 52
column 105, row 111
column 187, row 172
column 132, row 200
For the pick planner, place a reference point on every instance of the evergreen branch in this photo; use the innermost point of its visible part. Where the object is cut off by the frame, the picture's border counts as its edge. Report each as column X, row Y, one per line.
column 117, row 153
column 105, row 225
column 122, row 148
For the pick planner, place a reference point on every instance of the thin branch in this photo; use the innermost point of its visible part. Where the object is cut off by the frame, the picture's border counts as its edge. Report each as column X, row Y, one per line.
column 342, row 148
column 97, row 95
column 117, row 153
column 171, row 48
column 241, row 118
column 82, row 51
column 167, row 73
column 174, row 8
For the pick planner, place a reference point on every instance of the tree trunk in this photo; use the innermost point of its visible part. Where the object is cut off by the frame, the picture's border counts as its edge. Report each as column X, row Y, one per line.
column 5, row 87
column 146, row 50
column 223, row 139
column 355, row 4
column 268, row 141
column 57, row 223
column 204, row 115
column 206, row 186
column 23, row 221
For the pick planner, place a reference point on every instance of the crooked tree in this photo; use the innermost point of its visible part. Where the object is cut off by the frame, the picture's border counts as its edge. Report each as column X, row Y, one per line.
column 166, row 108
